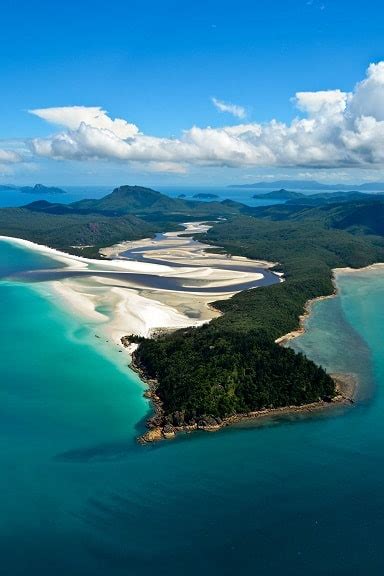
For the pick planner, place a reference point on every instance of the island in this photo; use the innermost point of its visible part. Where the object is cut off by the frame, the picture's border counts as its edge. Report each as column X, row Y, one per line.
column 208, row 372
column 37, row 189
column 205, row 196
column 281, row 194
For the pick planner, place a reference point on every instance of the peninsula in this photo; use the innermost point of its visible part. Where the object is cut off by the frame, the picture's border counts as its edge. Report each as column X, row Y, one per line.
column 204, row 375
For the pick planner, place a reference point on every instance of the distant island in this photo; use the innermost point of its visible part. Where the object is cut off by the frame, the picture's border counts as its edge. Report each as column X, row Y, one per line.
column 205, row 196
column 36, row 189
column 318, row 198
column 280, row 195
column 312, row 185
column 128, row 213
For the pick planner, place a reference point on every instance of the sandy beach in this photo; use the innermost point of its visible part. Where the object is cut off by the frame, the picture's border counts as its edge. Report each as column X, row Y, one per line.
column 119, row 295
column 377, row 266
column 308, row 306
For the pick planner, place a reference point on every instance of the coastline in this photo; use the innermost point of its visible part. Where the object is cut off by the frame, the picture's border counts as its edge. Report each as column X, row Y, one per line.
column 308, row 305
column 128, row 303
column 346, row 386
column 157, row 430
column 349, row 270
column 303, row 317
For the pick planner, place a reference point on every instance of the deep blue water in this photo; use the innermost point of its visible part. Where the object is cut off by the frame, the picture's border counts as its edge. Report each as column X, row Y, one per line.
column 75, row 193
column 78, row 496
column 243, row 195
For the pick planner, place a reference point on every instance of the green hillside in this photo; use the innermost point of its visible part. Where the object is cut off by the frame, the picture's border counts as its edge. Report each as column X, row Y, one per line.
column 66, row 231
column 145, row 201
column 128, row 213
column 233, row 364
column 363, row 215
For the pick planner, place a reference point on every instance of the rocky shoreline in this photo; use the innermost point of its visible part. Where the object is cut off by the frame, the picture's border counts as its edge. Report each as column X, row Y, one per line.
column 159, row 428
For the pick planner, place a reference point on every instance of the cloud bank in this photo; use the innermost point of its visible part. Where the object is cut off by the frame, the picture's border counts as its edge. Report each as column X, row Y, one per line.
column 8, row 160
column 332, row 129
column 9, row 157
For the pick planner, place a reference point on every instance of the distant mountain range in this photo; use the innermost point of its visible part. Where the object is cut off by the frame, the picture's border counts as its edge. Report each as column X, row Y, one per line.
column 132, row 212
column 128, row 213
column 318, row 198
column 312, row 185
column 36, row 189
column 355, row 215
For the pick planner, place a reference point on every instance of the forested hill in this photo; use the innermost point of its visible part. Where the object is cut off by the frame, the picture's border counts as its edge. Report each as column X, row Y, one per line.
column 132, row 199
column 128, row 213
column 145, row 201
column 73, row 233
column 364, row 215
column 233, row 364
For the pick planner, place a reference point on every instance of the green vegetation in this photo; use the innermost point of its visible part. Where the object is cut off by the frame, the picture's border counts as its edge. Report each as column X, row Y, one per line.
column 128, row 213
column 217, row 371
column 233, row 365
column 332, row 198
column 68, row 231
column 361, row 216
column 144, row 201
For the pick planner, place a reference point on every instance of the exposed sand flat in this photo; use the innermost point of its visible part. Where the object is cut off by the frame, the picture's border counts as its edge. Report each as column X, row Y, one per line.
column 176, row 247
column 126, row 310
column 78, row 262
column 119, row 295
column 119, row 265
column 80, row 298
column 377, row 266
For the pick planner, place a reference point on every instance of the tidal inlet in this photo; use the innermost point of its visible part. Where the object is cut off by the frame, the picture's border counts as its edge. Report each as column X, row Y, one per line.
column 191, row 289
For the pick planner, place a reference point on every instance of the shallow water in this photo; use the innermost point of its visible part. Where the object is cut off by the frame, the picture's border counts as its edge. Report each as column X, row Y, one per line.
column 78, row 496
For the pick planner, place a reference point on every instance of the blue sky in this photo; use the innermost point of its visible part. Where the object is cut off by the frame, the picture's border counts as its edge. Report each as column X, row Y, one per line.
column 157, row 65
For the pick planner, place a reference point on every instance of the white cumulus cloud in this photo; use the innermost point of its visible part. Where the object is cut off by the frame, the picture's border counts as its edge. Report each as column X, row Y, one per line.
column 333, row 129
column 73, row 117
column 233, row 109
column 9, row 157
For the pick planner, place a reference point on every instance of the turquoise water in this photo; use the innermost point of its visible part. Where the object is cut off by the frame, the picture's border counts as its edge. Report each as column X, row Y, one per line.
column 78, row 496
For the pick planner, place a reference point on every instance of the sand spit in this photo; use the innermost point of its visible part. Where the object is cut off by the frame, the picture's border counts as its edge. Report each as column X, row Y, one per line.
column 126, row 303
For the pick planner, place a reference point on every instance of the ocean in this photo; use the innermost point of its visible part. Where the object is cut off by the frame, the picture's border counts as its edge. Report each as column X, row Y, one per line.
column 75, row 193
column 295, row 496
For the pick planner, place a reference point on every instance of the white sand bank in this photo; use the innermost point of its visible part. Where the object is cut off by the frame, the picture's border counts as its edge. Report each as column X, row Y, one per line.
column 123, row 304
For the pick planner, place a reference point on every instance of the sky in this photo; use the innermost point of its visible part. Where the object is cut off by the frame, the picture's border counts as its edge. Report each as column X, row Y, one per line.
column 209, row 93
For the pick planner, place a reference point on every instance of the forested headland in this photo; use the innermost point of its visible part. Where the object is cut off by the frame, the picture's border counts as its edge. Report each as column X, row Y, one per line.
column 201, row 376
column 233, row 364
